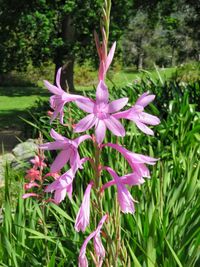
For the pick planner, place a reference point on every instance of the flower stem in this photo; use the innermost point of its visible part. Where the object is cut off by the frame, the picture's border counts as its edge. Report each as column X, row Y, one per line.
column 97, row 178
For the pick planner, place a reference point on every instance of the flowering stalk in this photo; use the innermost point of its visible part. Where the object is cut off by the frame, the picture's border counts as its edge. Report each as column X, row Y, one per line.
column 102, row 115
column 106, row 21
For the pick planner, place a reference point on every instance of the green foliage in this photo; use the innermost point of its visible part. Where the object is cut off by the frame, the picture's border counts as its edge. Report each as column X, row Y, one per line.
column 40, row 31
column 162, row 33
column 85, row 74
column 188, row 72
column 165, row 228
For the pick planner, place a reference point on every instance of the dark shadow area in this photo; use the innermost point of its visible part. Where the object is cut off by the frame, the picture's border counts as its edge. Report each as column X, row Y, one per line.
column 12, row 128
column 9, row 119
column 23, row 91
column 9, row 139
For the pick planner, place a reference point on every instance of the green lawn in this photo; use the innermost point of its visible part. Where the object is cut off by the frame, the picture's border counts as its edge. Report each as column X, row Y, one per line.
column 122, row 78
column 14, row 101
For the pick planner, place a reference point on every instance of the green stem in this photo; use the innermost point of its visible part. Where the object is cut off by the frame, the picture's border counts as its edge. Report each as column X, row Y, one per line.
column 97, row 180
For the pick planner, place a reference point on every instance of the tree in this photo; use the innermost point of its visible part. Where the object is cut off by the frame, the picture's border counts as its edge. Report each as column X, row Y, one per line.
column 59, row 30
column 161, row 32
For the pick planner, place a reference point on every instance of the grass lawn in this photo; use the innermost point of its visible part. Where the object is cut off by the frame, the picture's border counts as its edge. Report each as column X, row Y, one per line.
column 122, row 78
column 15, row 101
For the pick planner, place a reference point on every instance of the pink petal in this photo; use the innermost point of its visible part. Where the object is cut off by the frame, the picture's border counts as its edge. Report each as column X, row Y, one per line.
column 52, row 88
column 139, row 158
column 58, row 78
column 116, row 105
column 102, row 72
column 75, row 161
column 110, row 56
column 102, row 94
column 145, row 99
column 121, row 115
column 115, row 126
column 134, row 157
column 55, row 115
column 125, row 199
column 112, row 172
column 29, row 195
column 85, row 124
column 30, row 185
column 60, row 161
column 52, row 187
column 141, row 169
column 132, row 179
column 57, row 136
column 100, row 131
column 82, row 260
column 148, row 118
column 86, row 105
column 145, row 129
column 59, row 195
column 52, row 145
column 63, row 183
column 83, row 216
column 99, row 249
column 80, row 139
column 82, row 257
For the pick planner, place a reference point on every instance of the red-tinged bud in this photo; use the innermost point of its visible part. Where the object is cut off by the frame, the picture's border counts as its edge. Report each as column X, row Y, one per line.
column 49, row 113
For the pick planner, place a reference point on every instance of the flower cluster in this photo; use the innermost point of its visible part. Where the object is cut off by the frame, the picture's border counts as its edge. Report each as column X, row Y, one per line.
column 102, row 115
column 34, row 176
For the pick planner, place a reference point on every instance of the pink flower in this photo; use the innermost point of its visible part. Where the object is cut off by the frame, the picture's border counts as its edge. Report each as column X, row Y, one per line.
column 30, row 185
column 128, row 179
column 32, row 175
column 125, row 199
column 62, row 186
column 105, row 60
column 101, row 114
column 59, row 98
column 136, row 161
column 82, row 257
column 83, row 215
column 69, row 150
column 137, row 114
column 99, row 249
column 38, row 162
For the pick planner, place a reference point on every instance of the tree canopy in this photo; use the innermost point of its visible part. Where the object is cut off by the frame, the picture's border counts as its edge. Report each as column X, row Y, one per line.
column 60, row 31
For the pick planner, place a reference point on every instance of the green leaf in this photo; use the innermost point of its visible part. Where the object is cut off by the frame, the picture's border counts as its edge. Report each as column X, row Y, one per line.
column 134, row 258
column 61, row 212
column 174, row 254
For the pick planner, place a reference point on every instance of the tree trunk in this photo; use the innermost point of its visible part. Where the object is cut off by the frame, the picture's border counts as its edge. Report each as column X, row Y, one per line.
column 64, row 57
column 140, row 61
column 140, row 53
column 173, row 59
